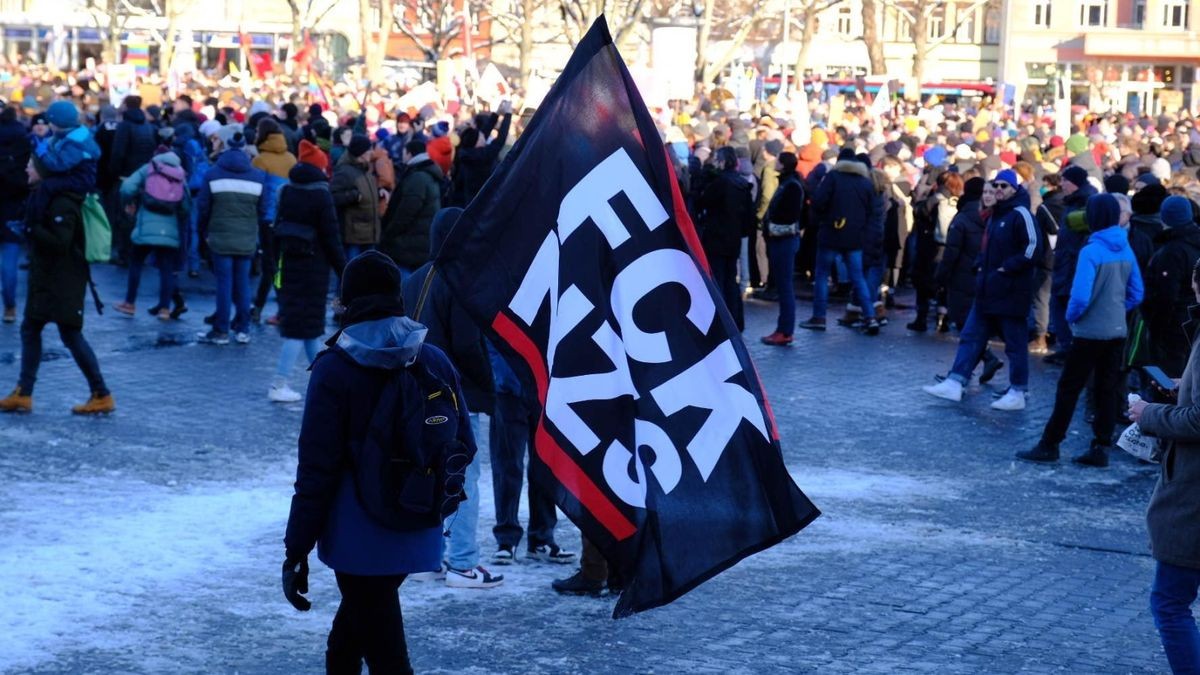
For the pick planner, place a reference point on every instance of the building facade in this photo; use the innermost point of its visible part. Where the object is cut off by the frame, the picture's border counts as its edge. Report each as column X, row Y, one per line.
column 1137, row 56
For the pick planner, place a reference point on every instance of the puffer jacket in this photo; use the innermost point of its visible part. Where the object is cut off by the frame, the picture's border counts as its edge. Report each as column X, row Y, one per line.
column 274, row 158
column 232, row 204
column 58, row 270
column 151, row 228
column 405, row 237
column 844, row 204
column 956, row 271
column 1011, row 245
column 1107, row 286
column 1173, row 517
column 356, row 197
column 133, row 145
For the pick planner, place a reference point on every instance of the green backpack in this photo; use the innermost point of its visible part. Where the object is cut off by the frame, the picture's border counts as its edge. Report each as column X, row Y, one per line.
column 97, row 233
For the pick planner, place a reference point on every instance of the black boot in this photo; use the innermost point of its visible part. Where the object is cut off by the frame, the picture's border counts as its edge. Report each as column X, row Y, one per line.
column 921, row 323
column 1042, row 453
column 991, row 365
column 577, row 584
column 1096, row 456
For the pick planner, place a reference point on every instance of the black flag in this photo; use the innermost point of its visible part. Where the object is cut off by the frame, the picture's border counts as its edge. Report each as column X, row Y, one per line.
column 579, row 257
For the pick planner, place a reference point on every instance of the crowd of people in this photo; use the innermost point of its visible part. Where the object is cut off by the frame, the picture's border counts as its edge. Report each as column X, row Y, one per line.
column 1080, row 249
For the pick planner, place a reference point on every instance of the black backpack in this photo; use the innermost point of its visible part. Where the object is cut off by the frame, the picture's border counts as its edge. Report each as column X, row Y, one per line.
column 410, row 469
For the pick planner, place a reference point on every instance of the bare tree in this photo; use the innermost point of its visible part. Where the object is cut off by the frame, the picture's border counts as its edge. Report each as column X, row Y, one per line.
column 307, row 14
column 376, row 19
column 434, row 25
column 624, row 17
column 733, row 22
column 870, row 19
column 110, row 16
column 810, row 10
column 918, row 14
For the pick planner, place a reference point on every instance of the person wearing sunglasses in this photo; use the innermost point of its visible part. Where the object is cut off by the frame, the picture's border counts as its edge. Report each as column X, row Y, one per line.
column 1004, row 293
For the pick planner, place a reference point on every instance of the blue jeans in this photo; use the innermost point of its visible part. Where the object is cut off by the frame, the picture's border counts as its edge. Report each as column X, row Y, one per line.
column 1171, row 601
column 164, row 260
column 853, row 262
column 973, row 341
column 10, row 254
column 464, row 547
column 233, row 287
column 874, row 281
column 193, row 253
column 781, row 256
column 1058, row 323
column 288, row 354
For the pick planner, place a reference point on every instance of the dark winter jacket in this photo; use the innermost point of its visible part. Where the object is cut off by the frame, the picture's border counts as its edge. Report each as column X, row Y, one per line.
column 1066, row 250
column 346, row 383
column 451, row 329
column 106, row 134
column 473, row 166
column 1168, row 296
column 1008, row 258
column 304, row 266
column 1173, row 518
column 875, row 232
column 232, row 203
column 727, row 208
column 133, row 145
column 1149, row 224
column 14, row 184
column 58, row 271
column 356, row 196
column 1049, row 215
column 410, row 211
column 844, row 203
column 787, row 202
column 956, row 271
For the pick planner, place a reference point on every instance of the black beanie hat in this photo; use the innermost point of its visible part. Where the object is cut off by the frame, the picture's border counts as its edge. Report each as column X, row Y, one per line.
column 1116, row 184
column 1149, row 199
column 370, row 273
column 359, row 145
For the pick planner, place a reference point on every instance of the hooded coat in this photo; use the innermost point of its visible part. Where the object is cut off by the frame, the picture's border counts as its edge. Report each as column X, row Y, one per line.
column 356, row 196
column 58, row 270
column 303, row 280
column 451, row 329
column 133, row 145
column 1107, row 282
column 273, row 156
column 347, row 381
column 1008, row 259
column 1168, row 296
column 844, row 204
column 405, row 237
column 150, row 228
column 956, row 271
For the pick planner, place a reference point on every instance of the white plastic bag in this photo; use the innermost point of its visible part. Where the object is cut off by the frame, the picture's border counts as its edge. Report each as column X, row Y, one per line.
column 1135, row 442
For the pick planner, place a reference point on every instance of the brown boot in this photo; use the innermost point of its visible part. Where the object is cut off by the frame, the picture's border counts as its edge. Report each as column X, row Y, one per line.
column 96, row 405
column 17, row 401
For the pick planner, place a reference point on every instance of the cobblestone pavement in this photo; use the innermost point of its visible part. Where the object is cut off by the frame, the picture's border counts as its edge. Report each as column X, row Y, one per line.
column 150, row 541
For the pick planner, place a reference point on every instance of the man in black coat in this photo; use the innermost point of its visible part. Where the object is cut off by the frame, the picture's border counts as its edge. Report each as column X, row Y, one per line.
column 845, row 204
column 14, row 187
column 453, row 331
column 132, row 147
column 476, row 157
column 727, row 214
column 1169, row 286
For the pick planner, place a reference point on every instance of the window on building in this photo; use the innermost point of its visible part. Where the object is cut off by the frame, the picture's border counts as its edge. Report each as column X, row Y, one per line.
column 968, row 21
column 1175, row 13
column 937, row 22
column 991, row 26
column 845, row 20
column 1093, row 13
column 1041, row 13
column 1139, row 13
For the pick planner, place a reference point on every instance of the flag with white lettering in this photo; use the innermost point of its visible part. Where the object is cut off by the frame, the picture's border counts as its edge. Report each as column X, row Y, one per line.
column 579, row 258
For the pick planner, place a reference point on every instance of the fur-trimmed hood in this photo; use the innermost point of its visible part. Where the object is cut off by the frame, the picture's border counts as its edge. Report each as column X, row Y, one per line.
column 852, row 166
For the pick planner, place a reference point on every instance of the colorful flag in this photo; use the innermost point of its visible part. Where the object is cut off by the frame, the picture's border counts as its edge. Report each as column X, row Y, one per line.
column 138, row 55
column 579, row 257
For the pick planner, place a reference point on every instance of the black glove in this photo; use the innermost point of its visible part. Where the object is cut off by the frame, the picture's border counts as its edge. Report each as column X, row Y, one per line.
column 295, row 582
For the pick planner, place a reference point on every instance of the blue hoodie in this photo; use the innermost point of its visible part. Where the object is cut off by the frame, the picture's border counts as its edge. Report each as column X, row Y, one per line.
column 1107, row 282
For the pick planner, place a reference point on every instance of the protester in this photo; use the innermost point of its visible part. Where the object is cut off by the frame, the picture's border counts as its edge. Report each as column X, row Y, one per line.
column 782, row 222
column 276, row 161
column 1049, row 215
column 1168, row 286
column 157, row 193
column 955, row 272
column 1003, row 297
column 349, row 381
column 132, row 148
column 307, row 243
column 1107, row 284
column 455, row 333
column 233, row 203
column 356, row 196
column 14, row 188
column 61, row 172
column 844, row 203
column 727, row 213
column 1071, row 237
column 932, row 224
column 405, row 237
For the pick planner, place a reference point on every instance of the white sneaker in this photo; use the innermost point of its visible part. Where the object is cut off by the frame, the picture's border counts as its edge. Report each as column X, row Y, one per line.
column 504, row 555
column 949, row 389
column 1013, row 399
column 474, row 578
column 437, row 575
column 241, row 338
column 284, row 394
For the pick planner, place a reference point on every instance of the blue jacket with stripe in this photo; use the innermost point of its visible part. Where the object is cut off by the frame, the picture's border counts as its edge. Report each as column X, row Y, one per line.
column 1107, row 285
column 233, row 202
column 1008, row 259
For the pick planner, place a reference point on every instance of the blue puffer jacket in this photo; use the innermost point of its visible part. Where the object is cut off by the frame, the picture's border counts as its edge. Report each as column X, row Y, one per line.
column 1007, row 260
column 1066, row 251
column 346, row 382
column 67, row 149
